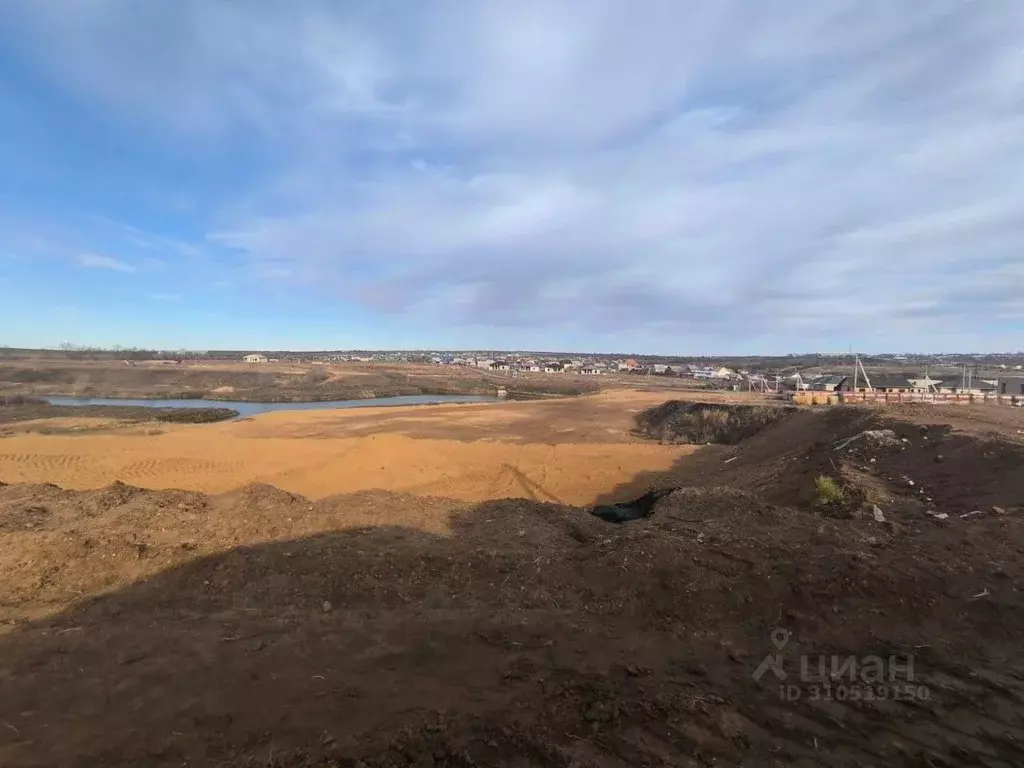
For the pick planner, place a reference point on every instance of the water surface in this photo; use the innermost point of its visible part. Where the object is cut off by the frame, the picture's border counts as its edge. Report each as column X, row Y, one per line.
column 251, row 409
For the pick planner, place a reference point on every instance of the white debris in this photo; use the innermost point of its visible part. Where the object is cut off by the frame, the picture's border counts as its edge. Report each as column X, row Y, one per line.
column 980, row 594
column 882, row 436
column 937, row 515
column 975, row 513
column 879, row 517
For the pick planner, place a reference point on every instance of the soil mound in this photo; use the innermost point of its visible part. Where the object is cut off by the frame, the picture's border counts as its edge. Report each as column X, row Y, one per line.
column 262, row 628
column 909, row 468
column 678, row 421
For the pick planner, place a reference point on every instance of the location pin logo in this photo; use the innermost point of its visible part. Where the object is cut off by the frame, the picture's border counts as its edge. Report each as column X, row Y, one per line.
column 780, row 637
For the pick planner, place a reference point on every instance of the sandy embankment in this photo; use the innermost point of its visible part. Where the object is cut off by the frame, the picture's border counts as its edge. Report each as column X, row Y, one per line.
column 570, row 451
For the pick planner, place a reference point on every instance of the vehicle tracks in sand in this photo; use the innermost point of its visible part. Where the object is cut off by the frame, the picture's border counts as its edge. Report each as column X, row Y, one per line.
column 42, row 462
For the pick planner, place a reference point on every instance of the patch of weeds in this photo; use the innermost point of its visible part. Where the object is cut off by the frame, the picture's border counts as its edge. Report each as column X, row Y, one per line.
column 834, row 499
column 829, row 492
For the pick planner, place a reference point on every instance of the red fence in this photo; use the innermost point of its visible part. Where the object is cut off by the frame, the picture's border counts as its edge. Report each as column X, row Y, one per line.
column 927, row 397
column 879, row 397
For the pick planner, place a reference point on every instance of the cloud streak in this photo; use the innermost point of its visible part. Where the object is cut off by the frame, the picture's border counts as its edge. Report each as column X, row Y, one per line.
column 98, row 261
column 638, row 174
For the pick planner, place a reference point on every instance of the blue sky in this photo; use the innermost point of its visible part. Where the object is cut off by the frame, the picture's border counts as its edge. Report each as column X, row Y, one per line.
column 653, row 176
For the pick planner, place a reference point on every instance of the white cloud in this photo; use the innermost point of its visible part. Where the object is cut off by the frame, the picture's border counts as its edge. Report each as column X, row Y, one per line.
column 657, row 169
column 98, row 261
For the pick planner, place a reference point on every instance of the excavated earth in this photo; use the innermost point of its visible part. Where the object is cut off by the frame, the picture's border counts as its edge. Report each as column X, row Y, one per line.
column 261, row 628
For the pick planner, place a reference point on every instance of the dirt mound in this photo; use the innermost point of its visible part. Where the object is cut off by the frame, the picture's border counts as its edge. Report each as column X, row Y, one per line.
column 31, row 409
column 678, row 421
column 921, row 468
column 262, row 628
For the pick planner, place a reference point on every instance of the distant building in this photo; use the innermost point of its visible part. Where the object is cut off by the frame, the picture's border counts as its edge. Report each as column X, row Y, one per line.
column 500, row 365
column 590, row 370
column 255, row 358
column 553, row 368
column 975, row 387
column 629, row 365
column 1010, row 385
column 881, row 383
column 831, row 383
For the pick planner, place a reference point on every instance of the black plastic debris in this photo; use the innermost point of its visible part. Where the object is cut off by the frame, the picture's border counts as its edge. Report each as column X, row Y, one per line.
column 627, row 511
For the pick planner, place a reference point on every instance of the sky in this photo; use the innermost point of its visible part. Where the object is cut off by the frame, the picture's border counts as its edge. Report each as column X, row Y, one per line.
column 653, row 176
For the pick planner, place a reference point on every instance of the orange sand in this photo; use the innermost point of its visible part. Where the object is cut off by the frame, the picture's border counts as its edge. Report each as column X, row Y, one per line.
column 570, row 451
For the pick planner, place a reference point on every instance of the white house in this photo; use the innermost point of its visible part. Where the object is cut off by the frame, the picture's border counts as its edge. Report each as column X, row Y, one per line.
column 255, row 358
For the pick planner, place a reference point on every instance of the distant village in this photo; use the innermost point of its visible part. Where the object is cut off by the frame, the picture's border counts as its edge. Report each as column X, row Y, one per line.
column 513, row 364
column 1001, row 379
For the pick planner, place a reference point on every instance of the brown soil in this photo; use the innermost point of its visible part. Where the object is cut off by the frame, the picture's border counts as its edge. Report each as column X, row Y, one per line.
column 15, row 414
column 679, row 421
column 259, row 627
column 273, row 382
column 953, row 471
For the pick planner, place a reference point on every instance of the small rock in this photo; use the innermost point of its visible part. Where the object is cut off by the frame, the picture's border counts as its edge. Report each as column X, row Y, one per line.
column 999, row 510
column 910, row 483
column 905, row 440
column 939, row 458
column 326, row 607
column 879, row 517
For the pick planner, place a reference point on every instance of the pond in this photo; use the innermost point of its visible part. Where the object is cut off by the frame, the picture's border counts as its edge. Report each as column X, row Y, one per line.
column 251, row 409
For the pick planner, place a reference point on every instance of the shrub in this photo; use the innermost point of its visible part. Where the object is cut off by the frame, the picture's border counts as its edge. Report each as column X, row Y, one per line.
column 830, row 494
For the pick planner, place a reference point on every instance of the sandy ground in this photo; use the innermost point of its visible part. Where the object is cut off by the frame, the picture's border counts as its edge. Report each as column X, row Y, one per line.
column 265, row 629
column 568, row 451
